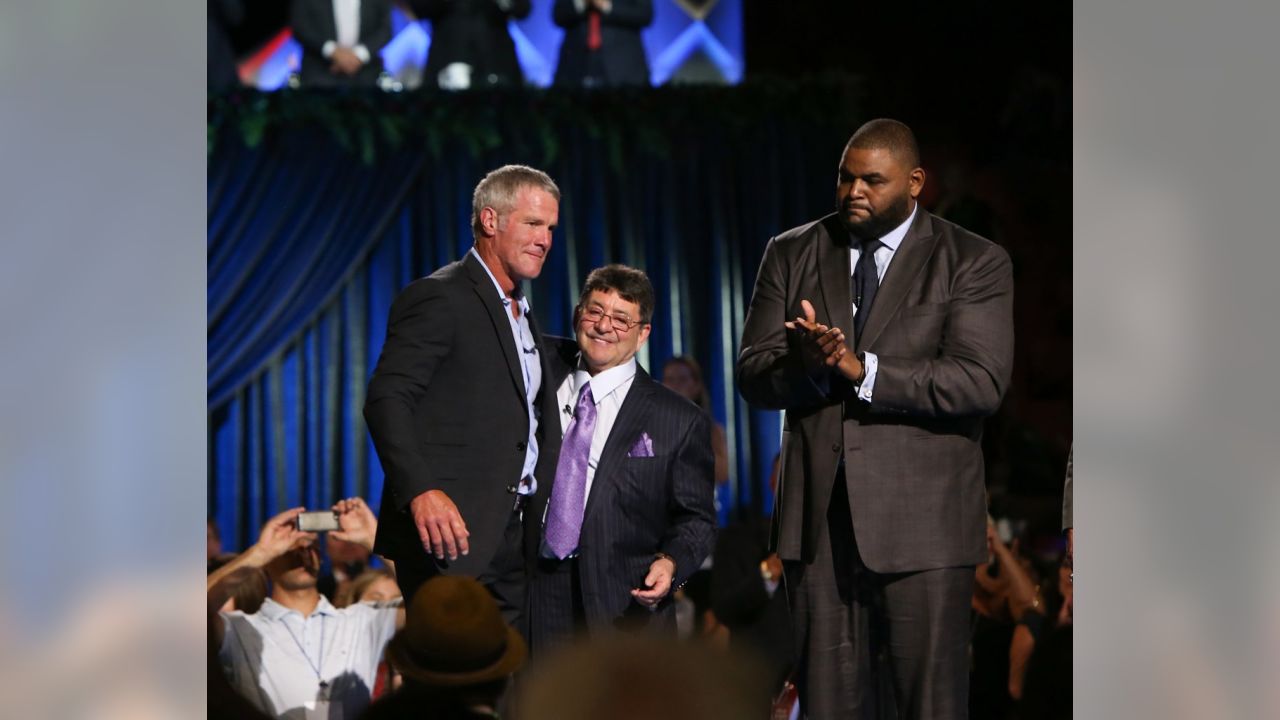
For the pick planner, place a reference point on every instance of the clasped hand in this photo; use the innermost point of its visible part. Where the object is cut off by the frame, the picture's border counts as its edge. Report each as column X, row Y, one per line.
column 822, row 347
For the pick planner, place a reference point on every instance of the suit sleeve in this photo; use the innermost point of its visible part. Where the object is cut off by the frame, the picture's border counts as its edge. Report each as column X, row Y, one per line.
column 375, row 38
column 304, row 20
column 970, row 373
column 770, row 371
column 564, row 14
column 419, row 335
column 690, row 504
column 519, row 9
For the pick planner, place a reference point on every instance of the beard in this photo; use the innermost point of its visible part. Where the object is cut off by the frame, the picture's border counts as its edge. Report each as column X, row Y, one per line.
column 878, row 224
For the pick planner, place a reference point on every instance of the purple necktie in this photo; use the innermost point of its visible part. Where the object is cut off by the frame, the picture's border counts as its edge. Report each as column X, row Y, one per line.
column 568, row 495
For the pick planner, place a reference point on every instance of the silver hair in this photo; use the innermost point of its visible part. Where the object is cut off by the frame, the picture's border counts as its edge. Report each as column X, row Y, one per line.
column 499, row 188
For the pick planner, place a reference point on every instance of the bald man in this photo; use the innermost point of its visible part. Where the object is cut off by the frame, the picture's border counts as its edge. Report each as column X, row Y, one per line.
column 886, row 333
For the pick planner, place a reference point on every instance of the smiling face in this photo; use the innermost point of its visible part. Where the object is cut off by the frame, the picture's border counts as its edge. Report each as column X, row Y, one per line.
column 514, row 244
column 875, row 191
column 601, row 323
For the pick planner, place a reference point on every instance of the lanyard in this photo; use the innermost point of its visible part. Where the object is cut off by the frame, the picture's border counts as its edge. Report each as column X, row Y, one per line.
column 315, row 666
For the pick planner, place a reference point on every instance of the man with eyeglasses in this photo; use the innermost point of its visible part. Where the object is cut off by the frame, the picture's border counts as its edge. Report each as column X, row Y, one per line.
column 629, row 515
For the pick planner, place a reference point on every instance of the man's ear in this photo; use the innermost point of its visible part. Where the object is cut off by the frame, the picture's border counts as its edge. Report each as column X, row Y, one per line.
column 489, row 221
column 915, row 182
column 644, row 335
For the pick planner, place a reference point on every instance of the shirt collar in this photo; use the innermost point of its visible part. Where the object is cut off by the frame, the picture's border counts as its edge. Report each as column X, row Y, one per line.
column 894, row 237
column 506, row 300
column 604, row 383
column 275, row 611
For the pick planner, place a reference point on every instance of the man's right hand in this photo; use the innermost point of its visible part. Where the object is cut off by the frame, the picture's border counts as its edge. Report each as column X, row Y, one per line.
column 440, row 525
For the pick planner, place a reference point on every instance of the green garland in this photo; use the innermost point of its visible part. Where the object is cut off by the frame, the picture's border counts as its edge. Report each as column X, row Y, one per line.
column 371, row 122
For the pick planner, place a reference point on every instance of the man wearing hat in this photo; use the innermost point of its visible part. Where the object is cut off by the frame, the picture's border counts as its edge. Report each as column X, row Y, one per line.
column 455, row 654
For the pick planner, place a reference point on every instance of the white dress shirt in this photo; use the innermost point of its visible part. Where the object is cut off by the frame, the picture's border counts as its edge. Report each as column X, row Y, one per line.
column 884, row 255
column 609, row 390
column 276, row 658
column 346, row 19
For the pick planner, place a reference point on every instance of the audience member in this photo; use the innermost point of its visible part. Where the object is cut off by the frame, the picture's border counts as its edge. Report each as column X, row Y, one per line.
column 456, row 654
column 346, row 562
column 243, row 589
column 298, row 655
column 602, row 45
column 341, row 40
column 641, row 678
column 373, row 585
column 470, row 43
column 683, row 374
column 630, row 515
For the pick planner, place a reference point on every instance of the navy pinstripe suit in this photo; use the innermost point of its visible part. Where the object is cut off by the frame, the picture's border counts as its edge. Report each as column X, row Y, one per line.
column 637, row 507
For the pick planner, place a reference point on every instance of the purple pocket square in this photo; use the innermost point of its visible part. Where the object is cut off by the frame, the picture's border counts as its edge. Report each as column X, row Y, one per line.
column 643, row 446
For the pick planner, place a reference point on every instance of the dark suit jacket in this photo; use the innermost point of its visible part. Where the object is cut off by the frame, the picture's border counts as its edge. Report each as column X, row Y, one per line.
column 640, row 506
column 472, row 32
column 621, row 55
column 313, row 26
column 942, row 328
column 446, row 409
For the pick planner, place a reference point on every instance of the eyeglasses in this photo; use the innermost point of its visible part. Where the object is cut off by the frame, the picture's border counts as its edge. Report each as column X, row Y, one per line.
column 621, row 323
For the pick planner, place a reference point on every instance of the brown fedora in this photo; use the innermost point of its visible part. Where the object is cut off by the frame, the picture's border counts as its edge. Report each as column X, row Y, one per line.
column 455, row 635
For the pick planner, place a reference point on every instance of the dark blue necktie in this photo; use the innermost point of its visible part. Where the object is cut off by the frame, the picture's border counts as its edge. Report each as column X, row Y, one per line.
column 865, row 283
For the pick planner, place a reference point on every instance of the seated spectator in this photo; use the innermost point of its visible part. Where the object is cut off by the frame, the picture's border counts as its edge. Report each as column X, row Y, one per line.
column 456, row 654
column 299, row 656
column 377, row 585
column 346, row 562
column 683, row 374
column 244, row 589
column 341, row 40
column 470, row 44
column 602, row 45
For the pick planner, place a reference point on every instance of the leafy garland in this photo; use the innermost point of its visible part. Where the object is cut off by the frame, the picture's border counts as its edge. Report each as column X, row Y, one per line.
column 370, row 122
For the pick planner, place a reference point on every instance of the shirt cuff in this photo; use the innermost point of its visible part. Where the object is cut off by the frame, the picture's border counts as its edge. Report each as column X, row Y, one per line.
column 871, row 363
column 328, row 48
column 580, row 6
column 504, row 5
column 361, row 52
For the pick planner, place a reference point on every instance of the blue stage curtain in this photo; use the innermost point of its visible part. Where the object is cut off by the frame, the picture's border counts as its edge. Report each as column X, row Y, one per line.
column 310, row 240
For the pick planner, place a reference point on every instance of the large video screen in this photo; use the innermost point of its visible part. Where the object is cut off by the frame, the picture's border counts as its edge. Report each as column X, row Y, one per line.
column 694, row 41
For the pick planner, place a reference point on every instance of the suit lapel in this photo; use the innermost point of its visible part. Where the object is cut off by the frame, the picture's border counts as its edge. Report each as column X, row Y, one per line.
column 908, row 261
column 498, row 314
column 833, row 275
column 626, row 429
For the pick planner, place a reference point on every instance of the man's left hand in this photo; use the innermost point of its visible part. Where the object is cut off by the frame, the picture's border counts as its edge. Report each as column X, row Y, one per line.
column 359, row 525
column 657, row 583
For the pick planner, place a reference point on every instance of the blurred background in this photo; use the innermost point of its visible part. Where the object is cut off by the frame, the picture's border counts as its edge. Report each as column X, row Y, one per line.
column 328, row 192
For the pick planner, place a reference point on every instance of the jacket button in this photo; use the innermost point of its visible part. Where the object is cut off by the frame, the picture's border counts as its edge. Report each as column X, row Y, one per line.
column 835, row 447
column 511, row 488
column 520, row 446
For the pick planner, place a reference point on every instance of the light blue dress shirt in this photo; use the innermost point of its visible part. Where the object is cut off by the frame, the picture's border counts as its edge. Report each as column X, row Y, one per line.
column 531, row 369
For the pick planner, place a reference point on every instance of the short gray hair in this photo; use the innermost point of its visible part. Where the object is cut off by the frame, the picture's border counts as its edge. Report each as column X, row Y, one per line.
column 499, row 188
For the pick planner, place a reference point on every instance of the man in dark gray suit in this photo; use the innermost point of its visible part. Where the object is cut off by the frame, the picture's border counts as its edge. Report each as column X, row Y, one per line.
column 630, row 515
column 454, row 403
column 886, row 334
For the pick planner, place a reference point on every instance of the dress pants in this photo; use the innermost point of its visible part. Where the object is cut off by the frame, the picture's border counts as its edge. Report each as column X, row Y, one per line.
column 504, row 577
column 872, row 645
column 556, row 615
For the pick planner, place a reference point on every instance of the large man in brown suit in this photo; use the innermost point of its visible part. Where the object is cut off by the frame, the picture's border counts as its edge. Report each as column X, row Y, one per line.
column 886, row 333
